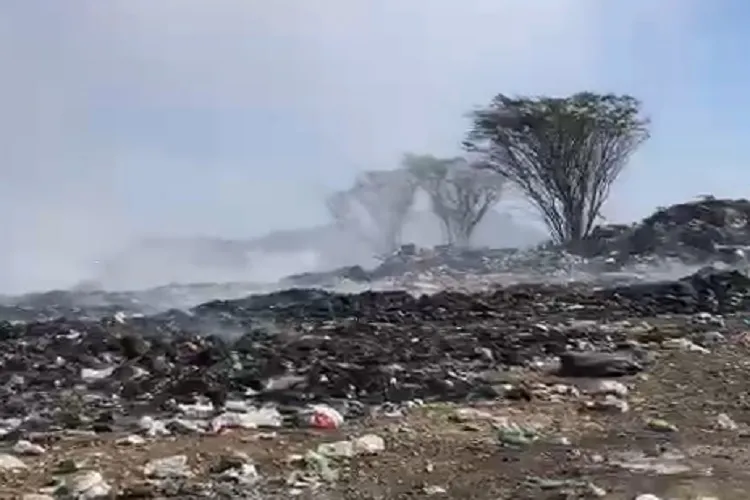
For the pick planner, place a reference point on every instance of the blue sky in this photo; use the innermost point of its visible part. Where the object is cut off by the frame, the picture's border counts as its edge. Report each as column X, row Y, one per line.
column 235, row 117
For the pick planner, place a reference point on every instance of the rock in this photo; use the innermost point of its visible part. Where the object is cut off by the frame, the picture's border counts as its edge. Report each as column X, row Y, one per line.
column 608, row 387
column 597, row 364
column 594, row 491
column 660, row 425
column 569, row 390
column 610, row 404
column 152, row 427
column 709, row 339
column 684, row 344
column 369, row 444
column 89, row 485
column 245, row 474
column 561, row 441
column 197, row 410
column 463, row 415
column 237, row 467
column 24, row 447
column 725, row 422
column 131, row 440
column 187, row 427
column 68, row 466
column 232, row 460
column 320, row 465
column 337, row 449
column 706, row 318
column 666, row 464
column 168, row 468
column 91, row 375
column 569, row 487
column 10, row 463
column 516, row 436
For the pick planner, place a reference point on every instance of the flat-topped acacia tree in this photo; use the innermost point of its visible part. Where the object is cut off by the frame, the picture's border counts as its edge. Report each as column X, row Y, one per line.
column 563, row 154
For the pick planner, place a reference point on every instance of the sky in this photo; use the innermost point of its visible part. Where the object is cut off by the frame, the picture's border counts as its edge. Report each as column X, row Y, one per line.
column 232, row 118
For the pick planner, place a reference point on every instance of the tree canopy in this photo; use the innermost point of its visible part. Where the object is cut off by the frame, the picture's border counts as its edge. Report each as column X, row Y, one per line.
column 460, row 194
column 563, row 154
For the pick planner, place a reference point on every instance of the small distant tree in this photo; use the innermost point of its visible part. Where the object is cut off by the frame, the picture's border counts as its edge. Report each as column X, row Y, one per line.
column 459, row 192
column 563, row 154
column 375, row 208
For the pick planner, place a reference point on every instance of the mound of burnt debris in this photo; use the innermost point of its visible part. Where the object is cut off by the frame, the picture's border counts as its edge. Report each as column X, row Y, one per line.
column 410, row 263
column 693, row 232
column 129, row 367
column 707, row 231
column 302, row 347
column 93, row 302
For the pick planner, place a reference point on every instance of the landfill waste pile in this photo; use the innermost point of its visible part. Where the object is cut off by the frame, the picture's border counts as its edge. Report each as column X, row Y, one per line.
column 479, row 374
column 692, row 232
column 704, row 232
column 525, row 391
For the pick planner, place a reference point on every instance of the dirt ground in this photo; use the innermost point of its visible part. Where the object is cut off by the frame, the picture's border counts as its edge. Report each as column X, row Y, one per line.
column 429, row 454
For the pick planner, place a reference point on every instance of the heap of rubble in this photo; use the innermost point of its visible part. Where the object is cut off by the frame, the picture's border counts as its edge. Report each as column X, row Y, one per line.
column 705, row 232
column 304, row 346
column 103, row 364
column 693, row 232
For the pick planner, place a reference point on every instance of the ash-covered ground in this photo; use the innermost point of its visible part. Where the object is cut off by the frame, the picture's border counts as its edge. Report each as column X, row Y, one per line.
column 615, row 371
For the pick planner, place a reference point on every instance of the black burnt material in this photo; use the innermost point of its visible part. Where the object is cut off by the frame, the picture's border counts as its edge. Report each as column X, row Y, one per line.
column 87, row 358
column 305, row 345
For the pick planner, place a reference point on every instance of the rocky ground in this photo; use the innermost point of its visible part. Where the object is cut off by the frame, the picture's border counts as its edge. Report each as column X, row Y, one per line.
column 682, row 436
column 530, row 391
column 601, row 383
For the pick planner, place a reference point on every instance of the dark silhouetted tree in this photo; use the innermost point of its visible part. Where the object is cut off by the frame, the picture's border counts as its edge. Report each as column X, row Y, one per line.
column 375, row 208
column 563, row 154
column 460, row 193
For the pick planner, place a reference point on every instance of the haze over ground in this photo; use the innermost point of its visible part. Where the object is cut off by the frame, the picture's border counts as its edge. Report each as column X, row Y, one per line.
column 231, row 118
